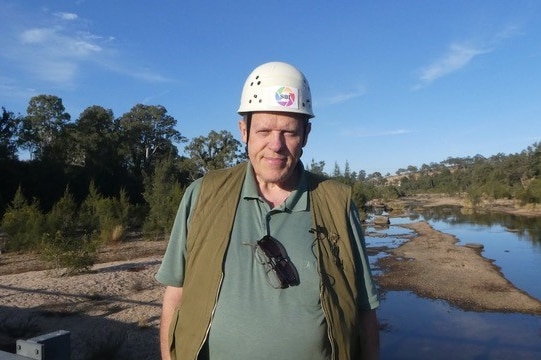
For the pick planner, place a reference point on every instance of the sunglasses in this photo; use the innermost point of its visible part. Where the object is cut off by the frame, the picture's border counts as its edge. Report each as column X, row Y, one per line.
column 281, row 273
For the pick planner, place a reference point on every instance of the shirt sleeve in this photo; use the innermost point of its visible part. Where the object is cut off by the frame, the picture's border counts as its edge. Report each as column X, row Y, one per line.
column 171, row 271
column 368, row 294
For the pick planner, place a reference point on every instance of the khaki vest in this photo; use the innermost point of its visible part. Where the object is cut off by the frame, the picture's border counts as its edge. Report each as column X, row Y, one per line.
column 208, row 238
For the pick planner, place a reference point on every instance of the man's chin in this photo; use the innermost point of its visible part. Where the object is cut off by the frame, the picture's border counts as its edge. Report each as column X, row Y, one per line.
column 279, row 177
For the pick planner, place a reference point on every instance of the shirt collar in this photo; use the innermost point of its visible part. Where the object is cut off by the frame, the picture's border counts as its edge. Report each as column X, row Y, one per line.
column 296, row 201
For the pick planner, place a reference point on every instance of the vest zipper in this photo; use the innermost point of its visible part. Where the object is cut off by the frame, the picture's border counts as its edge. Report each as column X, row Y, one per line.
column 329, row 331
column 211, row 315
column 325, row 312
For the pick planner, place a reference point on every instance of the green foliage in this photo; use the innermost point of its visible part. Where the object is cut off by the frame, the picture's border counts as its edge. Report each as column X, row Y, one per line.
column 43, row 127
column 112, row 214
column 108, row 217
column 149, row 134
column 9, row 128
column 88, row 212
column 162, row 193
column 75, row 254
column 531, row 194
column 498, row 177
column 63, row 216
column 134, row 162
column 317, row 167
column 474, row 196
column 218, row 150
column 23, row 223
column 62, row 244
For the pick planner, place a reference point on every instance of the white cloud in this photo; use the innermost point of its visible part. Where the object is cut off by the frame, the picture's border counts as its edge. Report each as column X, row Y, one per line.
column 457, row 57
column 342, row 97
column 56, row 48
column 66, row 16
column 34, row 36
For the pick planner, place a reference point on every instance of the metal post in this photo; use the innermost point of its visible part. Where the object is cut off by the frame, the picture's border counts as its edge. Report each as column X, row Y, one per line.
column 52, row 346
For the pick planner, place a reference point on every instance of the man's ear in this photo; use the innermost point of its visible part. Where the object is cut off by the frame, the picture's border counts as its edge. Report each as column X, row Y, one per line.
column 307, row 129
column 243, row 130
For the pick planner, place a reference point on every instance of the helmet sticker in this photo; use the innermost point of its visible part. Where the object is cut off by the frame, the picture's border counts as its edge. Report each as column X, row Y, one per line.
column 286, row 96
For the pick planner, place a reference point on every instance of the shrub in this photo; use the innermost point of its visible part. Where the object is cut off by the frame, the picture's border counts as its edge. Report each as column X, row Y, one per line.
column 108, row 217
column 74, row 254
column 23, row 223
column 162, row 193
column 63, row 215
column 88, row 214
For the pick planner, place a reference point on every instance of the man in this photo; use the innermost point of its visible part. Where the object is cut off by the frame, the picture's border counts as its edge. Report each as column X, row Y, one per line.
column 266, row 260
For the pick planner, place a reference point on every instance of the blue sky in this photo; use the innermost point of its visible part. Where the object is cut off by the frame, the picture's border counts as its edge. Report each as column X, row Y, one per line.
column 394, row 83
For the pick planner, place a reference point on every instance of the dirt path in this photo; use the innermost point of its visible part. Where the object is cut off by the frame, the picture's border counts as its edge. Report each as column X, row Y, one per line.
column 433, row 266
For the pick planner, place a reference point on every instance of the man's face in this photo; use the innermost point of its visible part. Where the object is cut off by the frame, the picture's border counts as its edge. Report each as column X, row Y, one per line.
column 275, row 145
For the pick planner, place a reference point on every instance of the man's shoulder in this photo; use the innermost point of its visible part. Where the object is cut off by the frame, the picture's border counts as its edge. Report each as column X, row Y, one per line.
column 226, row 172
column 222, row 180
column 317, row 180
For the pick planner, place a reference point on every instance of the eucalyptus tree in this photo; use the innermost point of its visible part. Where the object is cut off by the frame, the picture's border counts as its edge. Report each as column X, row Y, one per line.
column 43, row 127
column 94, row 137
column 94, row 154
column 147, row 133
column 216, row 151
column 9, row 131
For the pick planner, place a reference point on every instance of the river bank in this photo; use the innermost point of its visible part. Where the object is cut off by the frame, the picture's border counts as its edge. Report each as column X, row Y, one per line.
column 432, row 265
column 508, row 206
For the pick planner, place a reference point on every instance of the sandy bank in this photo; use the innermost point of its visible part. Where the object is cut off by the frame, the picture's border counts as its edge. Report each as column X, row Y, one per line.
column 433, row 266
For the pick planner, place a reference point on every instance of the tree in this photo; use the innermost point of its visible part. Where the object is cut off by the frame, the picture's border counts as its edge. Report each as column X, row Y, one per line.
column 163, row 193
column 9, row 130
column 216, row 151
column 317, row 167
column 94, row 137
column 337, row 173
column 412, row 169
column 44, row 125
column 147, row 133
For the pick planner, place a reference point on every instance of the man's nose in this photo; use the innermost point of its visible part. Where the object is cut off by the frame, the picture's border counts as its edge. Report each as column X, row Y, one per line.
column 276, row 141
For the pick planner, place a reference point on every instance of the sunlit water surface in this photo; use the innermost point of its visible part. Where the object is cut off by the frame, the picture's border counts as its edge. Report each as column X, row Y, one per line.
column 420, row 328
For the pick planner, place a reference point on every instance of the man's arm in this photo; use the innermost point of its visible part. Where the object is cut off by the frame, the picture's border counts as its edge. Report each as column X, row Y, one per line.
column 172, row 298
column 369, row 335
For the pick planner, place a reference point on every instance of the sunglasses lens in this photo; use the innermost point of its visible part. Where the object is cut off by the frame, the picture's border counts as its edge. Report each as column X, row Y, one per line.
column 270, row 247
column 287, row 273
column 279, row 260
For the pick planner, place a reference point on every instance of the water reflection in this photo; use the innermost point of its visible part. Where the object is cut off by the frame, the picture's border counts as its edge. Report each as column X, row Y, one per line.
column 418, row 328
column 528, row 228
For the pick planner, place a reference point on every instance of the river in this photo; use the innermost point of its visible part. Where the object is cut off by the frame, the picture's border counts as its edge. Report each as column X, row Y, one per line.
column 420, row 328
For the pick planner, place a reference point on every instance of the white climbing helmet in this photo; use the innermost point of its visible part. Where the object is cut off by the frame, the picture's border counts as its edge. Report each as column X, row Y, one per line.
column 276, row 86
